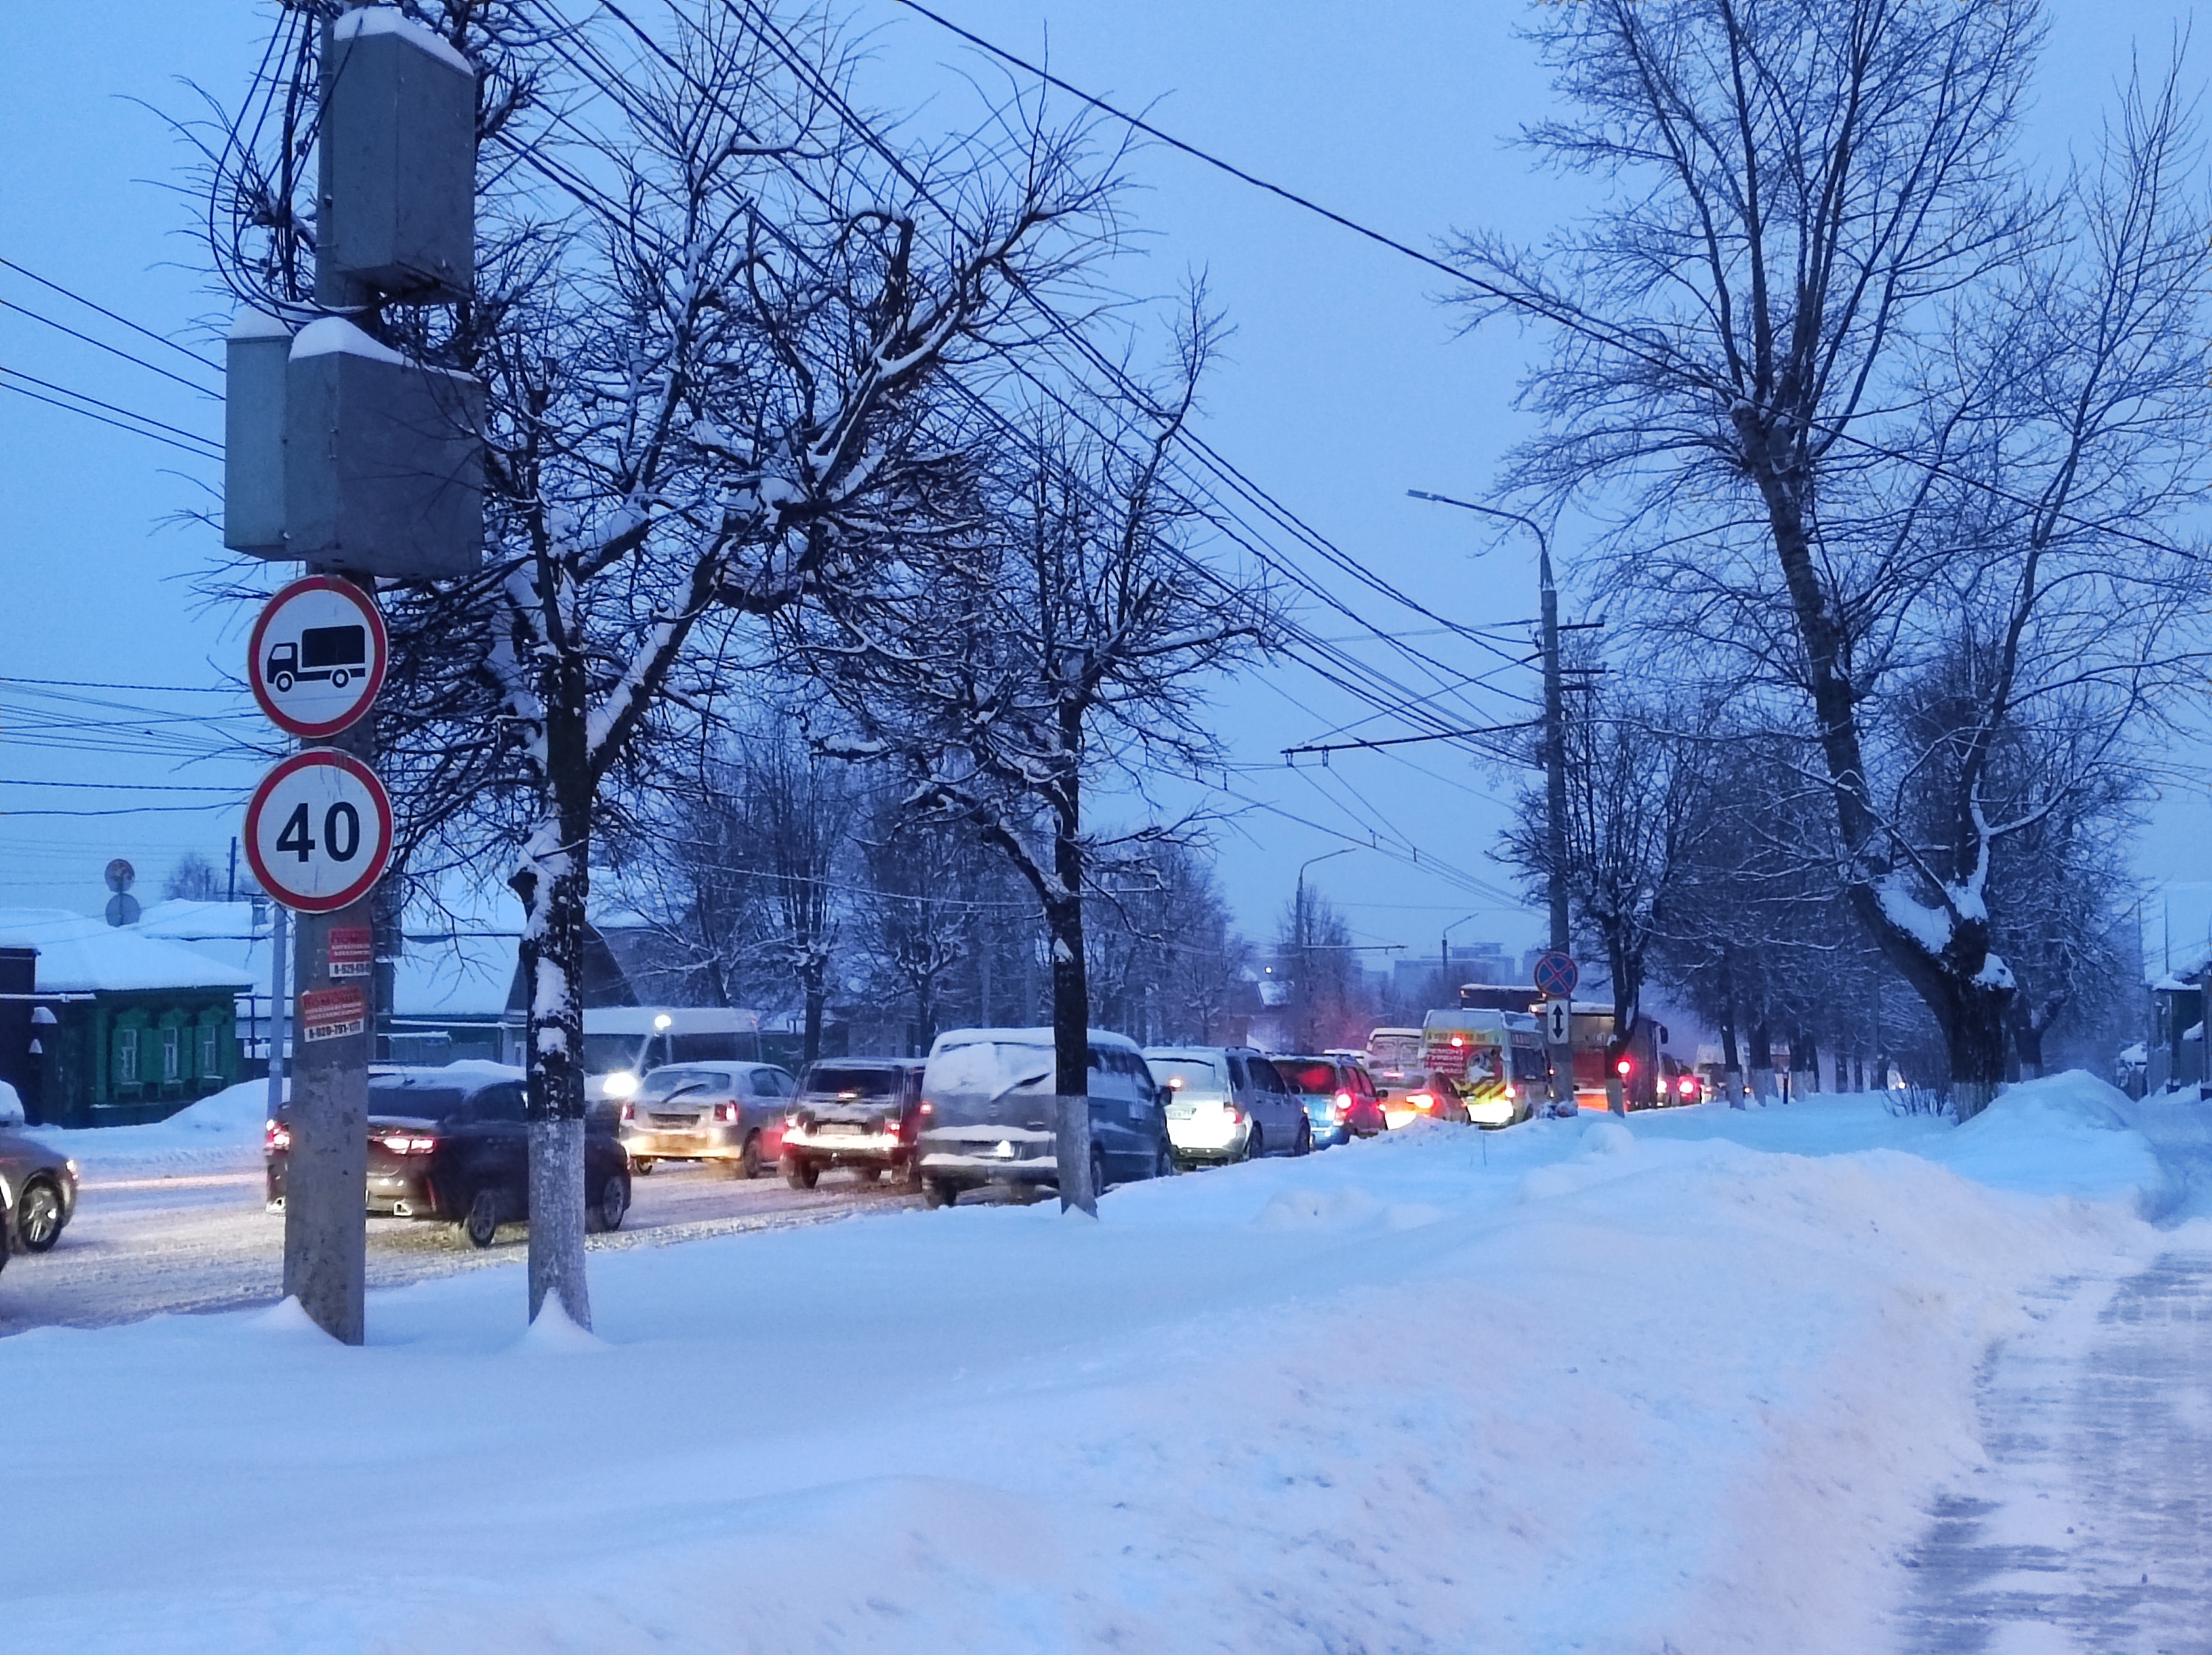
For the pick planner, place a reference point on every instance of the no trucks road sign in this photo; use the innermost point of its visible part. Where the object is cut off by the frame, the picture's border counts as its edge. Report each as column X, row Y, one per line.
column 318, row 831
column 318, row 657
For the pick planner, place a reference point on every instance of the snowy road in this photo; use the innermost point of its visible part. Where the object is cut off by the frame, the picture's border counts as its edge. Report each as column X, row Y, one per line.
column 145, row 1241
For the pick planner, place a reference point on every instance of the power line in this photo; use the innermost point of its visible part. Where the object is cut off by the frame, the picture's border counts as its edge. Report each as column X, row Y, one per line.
column 214, row 449
column 1559, row 312
column 100, row 344
column 161, row 689
column 193, row 448
column 79, row 297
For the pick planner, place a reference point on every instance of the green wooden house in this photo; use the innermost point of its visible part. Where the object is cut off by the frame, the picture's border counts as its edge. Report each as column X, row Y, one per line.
column 124, row 1028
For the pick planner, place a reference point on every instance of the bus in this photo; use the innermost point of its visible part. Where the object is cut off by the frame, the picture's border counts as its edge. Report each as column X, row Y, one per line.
column 1494, row 1060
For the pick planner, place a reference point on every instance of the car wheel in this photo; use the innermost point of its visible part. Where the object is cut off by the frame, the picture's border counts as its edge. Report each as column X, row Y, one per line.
column 1097, row 1172
column 612, row 1207
column 1302, row 1144
column 1255, row 1144
column 641, row 1165
column 800, row 1174
column 748, row 1164
column 38, row 1218
column 936, row 1192
column 481, row 1223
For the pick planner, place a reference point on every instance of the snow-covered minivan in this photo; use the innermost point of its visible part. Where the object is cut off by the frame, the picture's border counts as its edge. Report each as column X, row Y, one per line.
column 987, row 1098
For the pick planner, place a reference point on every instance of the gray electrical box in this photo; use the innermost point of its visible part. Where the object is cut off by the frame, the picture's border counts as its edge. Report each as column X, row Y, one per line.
column 256, row 360
column 383, row 470
column 396, row 215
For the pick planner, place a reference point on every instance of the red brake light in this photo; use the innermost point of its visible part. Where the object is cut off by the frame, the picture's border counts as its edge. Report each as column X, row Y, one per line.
column 1623, row 1067
column 1688, row 1086
column 273, row 1137
column 1343, row 1103
column 629, row 1111
column 927, row 1107
column 408, row 1143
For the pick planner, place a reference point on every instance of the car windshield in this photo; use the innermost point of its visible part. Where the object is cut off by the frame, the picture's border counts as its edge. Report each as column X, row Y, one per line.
column 669, row 1083
column 852, row 1082
column 605, row 1053
column 1187, row 1074
column 1311, row 1078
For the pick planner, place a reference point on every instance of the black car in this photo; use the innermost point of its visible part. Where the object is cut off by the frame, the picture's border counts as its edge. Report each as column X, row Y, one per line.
column 862, row 1113
column 454, row 1143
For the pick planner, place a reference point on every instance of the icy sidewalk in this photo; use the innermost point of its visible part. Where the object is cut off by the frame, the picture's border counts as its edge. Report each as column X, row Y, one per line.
column 1689, row 1382
column 2091, row 1530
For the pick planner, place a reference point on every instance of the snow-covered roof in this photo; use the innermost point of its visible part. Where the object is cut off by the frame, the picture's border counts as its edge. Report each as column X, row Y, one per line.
column 77, row 956
column 223, row 931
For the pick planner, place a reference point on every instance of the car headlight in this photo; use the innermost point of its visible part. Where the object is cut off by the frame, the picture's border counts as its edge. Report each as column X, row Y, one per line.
column 621, row 1083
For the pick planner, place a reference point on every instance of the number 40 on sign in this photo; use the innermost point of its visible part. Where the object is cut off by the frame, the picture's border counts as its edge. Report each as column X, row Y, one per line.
column 318, row 831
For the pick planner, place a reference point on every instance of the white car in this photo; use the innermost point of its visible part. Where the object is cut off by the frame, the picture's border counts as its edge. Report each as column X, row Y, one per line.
column 1227, row 1103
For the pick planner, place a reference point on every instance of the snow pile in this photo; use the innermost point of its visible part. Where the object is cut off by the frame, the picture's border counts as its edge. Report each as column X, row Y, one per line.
column 221, row 1132
column 1608, row 1387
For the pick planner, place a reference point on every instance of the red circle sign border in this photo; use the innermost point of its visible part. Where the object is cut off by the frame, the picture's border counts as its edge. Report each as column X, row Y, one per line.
column 360, row 773
column 360, row 599
column 1567, row 969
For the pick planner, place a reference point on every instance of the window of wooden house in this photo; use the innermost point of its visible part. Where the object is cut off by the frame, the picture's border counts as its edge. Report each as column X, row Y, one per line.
column 210, row 1053
column 126, row 1056
column 172, row 1053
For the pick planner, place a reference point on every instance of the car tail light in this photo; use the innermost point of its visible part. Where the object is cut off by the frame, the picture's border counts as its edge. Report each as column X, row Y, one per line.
column 1420, row 1100
column 927, row 1107
column 728, row 1114
column 1235, row 1115
column 629, row 1111
column 408, row 1143
column 1688, row 1086
column 273, row 1137
column 1343, row 1104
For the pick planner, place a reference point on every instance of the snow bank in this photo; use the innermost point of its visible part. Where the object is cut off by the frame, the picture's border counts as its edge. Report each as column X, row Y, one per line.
column 1604, row 1386
column 221, row 1132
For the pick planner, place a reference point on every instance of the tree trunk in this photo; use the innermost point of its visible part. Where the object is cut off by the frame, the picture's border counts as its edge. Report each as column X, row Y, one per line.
column 2028, row 1040
column 1761, row 1061
column 1976, row 1035
column 811, row 982
column 554, row 884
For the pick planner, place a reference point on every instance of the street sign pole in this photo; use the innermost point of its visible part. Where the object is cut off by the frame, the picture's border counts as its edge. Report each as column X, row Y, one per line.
column 325, row 1212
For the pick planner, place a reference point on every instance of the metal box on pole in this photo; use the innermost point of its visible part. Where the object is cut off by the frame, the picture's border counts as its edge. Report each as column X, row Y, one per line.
column 383, row 471
column 395, row 211
column 255, row 363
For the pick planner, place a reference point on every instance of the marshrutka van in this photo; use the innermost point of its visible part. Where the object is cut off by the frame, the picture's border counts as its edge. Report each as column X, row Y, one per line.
column 1493, row 1059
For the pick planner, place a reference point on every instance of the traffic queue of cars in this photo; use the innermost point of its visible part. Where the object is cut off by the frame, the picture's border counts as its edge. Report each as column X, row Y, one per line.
column 451, row 1144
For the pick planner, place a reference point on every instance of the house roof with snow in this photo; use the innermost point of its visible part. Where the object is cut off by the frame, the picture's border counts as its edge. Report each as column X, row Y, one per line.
column 77, row 956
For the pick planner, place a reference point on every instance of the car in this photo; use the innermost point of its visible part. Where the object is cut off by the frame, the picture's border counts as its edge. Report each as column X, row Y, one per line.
column 38, row 1194
column 1340, row 1097
column 986, row 1103
column 860, row 1113
column 1227, row 1103
column 725, row 1111
column 452, row 1143
column 1421, row 1096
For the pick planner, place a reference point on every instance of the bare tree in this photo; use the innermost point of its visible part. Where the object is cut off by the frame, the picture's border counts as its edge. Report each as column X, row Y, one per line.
column 1639, row 797
column 1826, row 346
column 1058, row 648
column 713, row 314
column 193, row 878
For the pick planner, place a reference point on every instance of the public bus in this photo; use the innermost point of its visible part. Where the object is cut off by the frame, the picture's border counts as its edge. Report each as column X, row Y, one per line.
column 1494, row 1060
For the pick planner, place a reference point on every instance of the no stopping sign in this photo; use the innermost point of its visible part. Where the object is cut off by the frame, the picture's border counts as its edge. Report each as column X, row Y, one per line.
column 318, row 831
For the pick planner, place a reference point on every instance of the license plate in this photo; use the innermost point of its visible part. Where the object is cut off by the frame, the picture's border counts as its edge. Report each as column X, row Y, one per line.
column 1182, row 1112
column 838, row 1129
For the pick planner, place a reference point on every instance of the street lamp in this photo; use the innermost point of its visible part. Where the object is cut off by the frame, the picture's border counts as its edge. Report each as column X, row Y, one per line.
column 1443, row 947
column 1305, row 959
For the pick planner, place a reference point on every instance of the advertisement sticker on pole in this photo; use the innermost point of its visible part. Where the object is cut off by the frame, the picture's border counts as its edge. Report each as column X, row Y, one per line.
column 318, row 831
column 318, row 656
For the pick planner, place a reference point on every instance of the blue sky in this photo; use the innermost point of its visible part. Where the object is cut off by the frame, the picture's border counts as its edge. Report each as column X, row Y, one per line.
column 1345, row 385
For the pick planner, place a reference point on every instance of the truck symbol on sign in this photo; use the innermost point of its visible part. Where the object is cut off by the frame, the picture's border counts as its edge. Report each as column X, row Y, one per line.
column 333, row 654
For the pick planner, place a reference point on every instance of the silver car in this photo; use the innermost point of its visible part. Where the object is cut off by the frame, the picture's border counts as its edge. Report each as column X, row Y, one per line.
column 730, row 1113
column 1227, row 1103
column 38, row 1194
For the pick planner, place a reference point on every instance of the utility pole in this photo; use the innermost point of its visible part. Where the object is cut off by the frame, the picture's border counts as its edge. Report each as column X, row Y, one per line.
column 342, row 454
column 1305, row 947
column 1555, row 752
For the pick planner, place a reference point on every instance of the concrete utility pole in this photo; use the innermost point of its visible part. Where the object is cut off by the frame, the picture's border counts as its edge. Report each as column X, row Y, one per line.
column 1305, row 947
column 1555, row 755
column 342, row 454
column 280, row 1020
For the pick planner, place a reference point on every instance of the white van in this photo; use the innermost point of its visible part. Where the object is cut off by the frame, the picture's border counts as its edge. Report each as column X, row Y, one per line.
column 986, row 1103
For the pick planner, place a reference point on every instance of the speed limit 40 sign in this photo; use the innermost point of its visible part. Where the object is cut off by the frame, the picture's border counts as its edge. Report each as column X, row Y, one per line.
column 318, row 831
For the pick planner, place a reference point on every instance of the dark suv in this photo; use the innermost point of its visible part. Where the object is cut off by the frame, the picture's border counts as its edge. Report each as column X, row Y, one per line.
column 454, row 1143
column 862, row 1113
